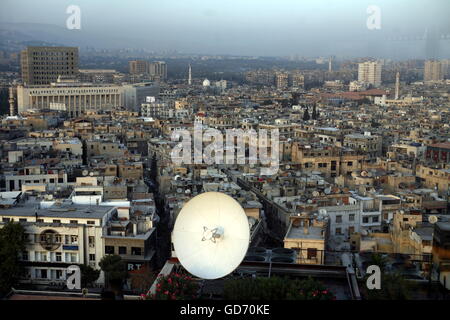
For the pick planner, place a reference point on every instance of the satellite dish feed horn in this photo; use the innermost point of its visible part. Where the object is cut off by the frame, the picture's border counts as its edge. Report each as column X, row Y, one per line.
column 211, row 235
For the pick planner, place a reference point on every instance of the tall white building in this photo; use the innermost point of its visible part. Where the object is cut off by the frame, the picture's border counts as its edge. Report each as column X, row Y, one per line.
column 370, row 72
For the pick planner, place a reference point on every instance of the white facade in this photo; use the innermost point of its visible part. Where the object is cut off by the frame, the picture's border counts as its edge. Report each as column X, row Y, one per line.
column 370, row 72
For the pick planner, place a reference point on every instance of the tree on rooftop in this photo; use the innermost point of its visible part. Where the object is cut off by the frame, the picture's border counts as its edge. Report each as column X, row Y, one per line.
column 276, row 288
column 12, row 244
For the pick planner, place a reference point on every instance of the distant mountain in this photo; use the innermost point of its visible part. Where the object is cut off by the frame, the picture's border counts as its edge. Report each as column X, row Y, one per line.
column 15, row 36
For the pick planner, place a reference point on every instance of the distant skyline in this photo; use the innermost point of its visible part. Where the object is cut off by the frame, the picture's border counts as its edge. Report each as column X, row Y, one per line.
column 247, row 27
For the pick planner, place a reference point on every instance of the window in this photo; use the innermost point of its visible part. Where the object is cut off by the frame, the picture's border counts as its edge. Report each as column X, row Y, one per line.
column 365, row 220
column 59, row 274
column 25, row 255
column 109, row 250
column 338, row 219
column 22, row 220
column 351, row 230
column 40, row 220
column 351, row 217
column 91, row 241
column 56, row 221
column 338, row 231
column 73, row 239
column 91, row 222
column 350, row 163
column 74, row 221
column 58, row 256
column 375, row 219
column 91, row 257
column 6, row 219
column 311, row 253
column 136, row 251
column 122, row 250
column 43, row 273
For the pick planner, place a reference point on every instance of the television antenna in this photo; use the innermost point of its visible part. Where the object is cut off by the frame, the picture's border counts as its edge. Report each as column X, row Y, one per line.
column 211, row 235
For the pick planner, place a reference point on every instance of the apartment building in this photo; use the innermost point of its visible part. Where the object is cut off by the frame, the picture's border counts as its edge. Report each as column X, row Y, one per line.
column 59, row 236
column 43, row 65
column 307, row 235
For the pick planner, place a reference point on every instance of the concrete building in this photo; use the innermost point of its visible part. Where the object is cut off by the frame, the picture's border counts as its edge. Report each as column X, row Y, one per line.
column 438, row 153
column 72, row 97
column 370, row 72
column 433, row 71
column 370, row 144
column 343, row 220
column 138, row 67
column 281, row 80
column 43, row 65
column 136, row 94
column 441, row 252
column 158, row 70
column 58, row 237
column 308, row 236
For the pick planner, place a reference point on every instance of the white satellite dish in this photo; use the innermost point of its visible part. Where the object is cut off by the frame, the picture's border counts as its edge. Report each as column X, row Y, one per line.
column 211, row 235
column 432, row 219
column 315, row 193
column 85, row 173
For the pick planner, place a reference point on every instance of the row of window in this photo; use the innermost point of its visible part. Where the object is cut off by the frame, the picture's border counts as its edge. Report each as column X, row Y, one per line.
column 45, row 256
column 4, row 219
column 135, row 251
column 351, row 217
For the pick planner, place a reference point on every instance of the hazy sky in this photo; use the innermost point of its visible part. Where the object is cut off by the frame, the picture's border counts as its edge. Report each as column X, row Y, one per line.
column 248, row 27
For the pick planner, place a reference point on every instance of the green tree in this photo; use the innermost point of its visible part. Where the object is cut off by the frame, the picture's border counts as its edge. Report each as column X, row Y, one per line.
column 12, row 244
column 306, row 116
column 276, row 288
column 393, row 287
column 88, row 275
column 115, row 270
column 314, row 112
column 378, row 260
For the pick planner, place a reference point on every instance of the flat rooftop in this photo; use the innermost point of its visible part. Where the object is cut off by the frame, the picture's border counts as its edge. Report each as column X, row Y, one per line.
column 67, row 211
column 314, row 233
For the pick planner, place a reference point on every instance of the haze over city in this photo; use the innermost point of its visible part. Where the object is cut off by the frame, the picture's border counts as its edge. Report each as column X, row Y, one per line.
column 231, row 153
column 253, row 27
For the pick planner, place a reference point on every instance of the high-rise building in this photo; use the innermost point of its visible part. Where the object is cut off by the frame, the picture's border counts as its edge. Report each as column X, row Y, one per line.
column 138, row 66
column 297, row 80
column 43, row 65
column 370, row 72
column 433, row 71
column 158, row 70
column 281, row 80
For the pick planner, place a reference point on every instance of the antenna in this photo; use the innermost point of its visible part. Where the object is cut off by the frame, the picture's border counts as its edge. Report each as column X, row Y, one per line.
column 211, row 235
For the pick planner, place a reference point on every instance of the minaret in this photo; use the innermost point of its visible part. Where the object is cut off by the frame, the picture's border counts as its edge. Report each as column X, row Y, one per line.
column 12, row 101
column 397, row 86
column 190, row 75
column 329, row 65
